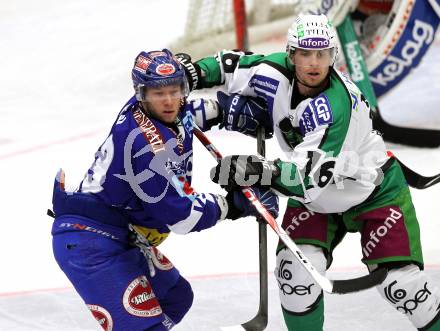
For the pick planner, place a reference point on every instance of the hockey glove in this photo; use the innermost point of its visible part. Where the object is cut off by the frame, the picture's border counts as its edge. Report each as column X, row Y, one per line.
column 244, row 114
column 239, row 206
column 235, row 171
column 193, row 72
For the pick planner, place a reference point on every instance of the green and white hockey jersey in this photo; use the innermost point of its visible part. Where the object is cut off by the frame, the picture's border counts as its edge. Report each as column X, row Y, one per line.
column 333, row 157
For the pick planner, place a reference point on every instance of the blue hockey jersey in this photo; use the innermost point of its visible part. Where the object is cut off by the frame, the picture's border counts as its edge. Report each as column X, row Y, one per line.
column 142, row 175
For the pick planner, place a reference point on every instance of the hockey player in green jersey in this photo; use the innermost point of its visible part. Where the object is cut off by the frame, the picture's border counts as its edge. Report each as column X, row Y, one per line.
column 336, row 170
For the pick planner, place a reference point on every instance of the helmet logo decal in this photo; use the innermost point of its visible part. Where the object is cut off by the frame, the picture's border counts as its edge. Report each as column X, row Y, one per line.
column 313, row 32
column 165, row 69
column 300, row 30
column 318, row 43
column 142, row 64
column 156, row 54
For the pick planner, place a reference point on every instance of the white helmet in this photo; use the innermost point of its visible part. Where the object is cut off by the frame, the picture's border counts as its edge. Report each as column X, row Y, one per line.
column 313, row 32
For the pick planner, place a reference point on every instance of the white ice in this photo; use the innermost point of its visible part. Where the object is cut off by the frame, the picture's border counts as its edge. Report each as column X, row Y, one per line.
column 64, row 74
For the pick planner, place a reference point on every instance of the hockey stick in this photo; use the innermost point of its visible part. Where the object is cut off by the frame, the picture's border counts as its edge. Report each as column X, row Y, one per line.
column 414, row 179
column 331, row 286
column 358, row 69
column 406, row 136
column 259, row 322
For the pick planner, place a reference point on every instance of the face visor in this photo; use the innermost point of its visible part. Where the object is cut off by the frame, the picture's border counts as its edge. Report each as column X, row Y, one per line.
column 162, row 90
column 307, row 58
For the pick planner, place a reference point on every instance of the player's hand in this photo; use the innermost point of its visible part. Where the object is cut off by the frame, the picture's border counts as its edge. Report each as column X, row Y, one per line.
column 244, row 114
column 234, row 171
column 239, row 206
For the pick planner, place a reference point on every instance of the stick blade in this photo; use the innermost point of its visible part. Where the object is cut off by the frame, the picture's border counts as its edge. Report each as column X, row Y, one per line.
column 359, row 284
column 407, row 136
column 415, row 180
column 258, row 323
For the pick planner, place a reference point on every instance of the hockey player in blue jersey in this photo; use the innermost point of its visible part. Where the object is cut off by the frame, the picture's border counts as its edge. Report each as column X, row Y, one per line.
column 136, row 192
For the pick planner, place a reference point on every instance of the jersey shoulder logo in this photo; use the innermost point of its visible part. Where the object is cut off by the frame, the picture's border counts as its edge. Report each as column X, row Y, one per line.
column 317, row 113
column 264, row 83
column 188, row 122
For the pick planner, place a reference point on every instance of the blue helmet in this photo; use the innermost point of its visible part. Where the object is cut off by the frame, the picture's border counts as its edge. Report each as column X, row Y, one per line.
column 157, row 69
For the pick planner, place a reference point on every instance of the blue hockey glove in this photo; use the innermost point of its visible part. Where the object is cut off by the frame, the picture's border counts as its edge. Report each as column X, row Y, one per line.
column 244, row 114
column 239, row 206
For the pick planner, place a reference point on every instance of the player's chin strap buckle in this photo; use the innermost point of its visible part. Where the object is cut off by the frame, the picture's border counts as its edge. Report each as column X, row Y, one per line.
column 135, row 238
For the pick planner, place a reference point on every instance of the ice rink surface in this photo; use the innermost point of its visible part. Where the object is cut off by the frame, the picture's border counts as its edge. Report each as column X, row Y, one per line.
column 65, row 74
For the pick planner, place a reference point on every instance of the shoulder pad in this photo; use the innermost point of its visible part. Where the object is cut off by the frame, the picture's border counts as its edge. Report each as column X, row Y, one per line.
column 229, row 60
column 279, row 62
